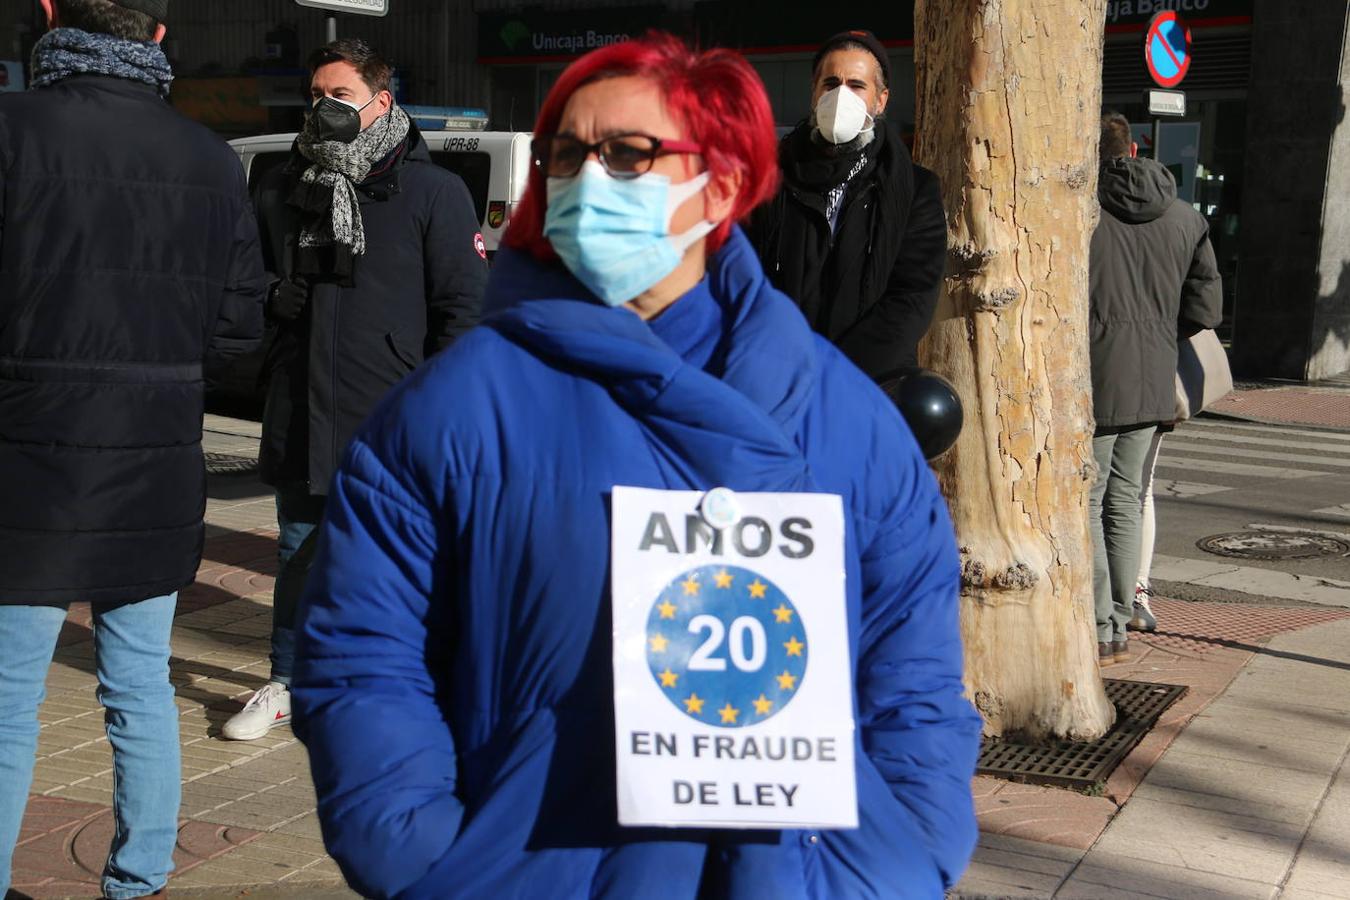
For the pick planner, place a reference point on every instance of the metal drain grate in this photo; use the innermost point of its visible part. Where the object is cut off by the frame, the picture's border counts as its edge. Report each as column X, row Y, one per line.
column 1273, row 545
column 230, row 464
column 1083, row 765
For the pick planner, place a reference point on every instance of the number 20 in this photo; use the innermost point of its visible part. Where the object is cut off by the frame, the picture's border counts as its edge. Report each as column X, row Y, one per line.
column 703, row 660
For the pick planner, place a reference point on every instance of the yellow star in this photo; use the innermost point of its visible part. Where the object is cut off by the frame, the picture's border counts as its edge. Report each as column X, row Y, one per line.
column 757, row 589
column 723, row 579
column 658, row 643
column 694, row 705
column 783, row 614
column 794, row 647
column 691, row 586
column 762, row 705
column 729, row 714
column 667, row 609
column 668, row 678
column 786, row 682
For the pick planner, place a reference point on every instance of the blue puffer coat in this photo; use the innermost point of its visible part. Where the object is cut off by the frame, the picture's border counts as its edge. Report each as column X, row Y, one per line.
column 454, row 684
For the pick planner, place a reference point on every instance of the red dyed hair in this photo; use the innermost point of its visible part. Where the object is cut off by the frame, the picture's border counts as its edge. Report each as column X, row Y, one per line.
column 714, row 94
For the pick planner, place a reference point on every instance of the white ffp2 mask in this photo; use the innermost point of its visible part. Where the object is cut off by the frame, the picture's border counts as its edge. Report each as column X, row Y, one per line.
column 841, row 115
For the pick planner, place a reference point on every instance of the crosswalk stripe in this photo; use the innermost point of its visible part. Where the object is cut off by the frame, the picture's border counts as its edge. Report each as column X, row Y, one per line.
column 1213, row 424
column 1255, row 441
column 1180, row 444
column 1180, row 490
column 1219, row 467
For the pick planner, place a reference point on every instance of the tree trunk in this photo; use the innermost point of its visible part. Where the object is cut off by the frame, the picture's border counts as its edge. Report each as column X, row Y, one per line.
column 1009, row 102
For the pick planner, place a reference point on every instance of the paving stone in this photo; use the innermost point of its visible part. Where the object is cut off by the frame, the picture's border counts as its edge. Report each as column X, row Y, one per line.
column 1193, row 838
column 1323, row 862
column 1289, row 796
column 1048, row 815
column 1109, row 876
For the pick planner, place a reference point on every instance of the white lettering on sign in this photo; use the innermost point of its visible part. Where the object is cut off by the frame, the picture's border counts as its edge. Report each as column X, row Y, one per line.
column 732, row 679
column 577, row 42
column 461, row 143
column 1121, row 9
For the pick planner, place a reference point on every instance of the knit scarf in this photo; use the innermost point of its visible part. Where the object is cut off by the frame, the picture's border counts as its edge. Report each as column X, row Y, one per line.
column 332, row 179
column 63, row 52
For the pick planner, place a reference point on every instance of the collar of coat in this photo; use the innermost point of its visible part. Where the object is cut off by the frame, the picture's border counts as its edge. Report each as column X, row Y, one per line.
column 737, row 430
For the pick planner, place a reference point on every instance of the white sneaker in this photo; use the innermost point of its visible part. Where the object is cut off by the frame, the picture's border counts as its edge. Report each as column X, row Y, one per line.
column 269, row 706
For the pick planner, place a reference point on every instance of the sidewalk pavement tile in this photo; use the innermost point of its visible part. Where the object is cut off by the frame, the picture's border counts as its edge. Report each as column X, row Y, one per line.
column 1319, row 758
column 1237, row 788
column 1192, row 838
column 1327, row 407
column 1045, row 814
column 1323, row 861
column 1012, row 867
column 1110, row 876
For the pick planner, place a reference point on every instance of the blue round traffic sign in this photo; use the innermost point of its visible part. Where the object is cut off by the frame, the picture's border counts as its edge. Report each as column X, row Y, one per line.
column 726, row 646
column 1167, row 49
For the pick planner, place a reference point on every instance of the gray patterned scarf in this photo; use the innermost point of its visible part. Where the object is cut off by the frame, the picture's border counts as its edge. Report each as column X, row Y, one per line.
column 63, row 52
column 339, row 168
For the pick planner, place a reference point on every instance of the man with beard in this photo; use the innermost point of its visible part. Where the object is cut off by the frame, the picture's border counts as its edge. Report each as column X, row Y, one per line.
column 856, row 234
column 377, row 263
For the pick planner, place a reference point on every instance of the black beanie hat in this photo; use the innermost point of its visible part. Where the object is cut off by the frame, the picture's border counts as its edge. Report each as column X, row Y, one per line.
column 155, row 9
column 866, row 39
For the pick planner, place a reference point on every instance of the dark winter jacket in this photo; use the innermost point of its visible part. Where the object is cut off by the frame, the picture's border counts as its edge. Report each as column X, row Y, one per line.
column 1153, row 276
column 418, row 287
column 129, row 269
column 872, row 285
column 454, row 683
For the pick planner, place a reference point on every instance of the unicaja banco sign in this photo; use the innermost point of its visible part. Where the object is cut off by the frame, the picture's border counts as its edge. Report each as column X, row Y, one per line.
column 576, row 42
column 535, row 34
column 361, row 7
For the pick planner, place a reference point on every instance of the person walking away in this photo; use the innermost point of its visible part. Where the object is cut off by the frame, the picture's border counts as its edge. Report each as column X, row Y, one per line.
column 129, row 272
column 856, row 234
column 376, row 262
column 455, row 682
column 1152, row 279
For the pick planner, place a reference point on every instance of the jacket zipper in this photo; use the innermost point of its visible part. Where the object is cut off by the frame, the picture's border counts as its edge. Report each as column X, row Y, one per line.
column 333, row 418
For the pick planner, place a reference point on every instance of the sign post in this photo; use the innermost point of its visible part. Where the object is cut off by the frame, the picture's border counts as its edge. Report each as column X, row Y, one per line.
column 1167, row 53
column 360, row 7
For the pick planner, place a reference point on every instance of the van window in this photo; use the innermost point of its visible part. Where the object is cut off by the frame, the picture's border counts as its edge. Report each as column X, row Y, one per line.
column 264, row 163
column 475, row 168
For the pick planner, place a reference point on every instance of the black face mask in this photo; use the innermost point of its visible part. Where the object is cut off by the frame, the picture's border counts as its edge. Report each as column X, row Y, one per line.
column 336, row 120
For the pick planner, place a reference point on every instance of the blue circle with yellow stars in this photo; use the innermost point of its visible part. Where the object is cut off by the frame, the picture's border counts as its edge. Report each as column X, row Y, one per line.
column 726, row 646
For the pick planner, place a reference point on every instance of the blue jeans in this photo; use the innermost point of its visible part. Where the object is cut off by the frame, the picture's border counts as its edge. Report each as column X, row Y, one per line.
column 131, row 652
column 298, row 515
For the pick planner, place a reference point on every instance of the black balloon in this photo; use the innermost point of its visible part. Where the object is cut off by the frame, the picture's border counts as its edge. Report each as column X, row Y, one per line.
column 931, row 407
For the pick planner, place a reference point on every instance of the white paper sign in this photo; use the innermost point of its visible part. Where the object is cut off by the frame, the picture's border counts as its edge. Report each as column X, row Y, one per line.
column 733, row 684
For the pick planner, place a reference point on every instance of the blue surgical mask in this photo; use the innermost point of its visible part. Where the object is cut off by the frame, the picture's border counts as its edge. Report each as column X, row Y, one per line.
column 614, row 234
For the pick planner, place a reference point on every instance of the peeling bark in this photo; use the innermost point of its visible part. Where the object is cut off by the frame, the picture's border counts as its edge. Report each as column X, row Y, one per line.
column 1009, row 95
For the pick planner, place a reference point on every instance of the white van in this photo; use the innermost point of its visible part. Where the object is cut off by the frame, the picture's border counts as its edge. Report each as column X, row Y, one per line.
column 494, row 165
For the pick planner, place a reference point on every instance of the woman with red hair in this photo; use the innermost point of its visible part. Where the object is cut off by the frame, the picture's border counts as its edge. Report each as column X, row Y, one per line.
column 454, row 683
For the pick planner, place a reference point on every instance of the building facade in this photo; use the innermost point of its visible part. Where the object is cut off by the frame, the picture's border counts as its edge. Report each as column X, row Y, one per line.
column 1265, row 97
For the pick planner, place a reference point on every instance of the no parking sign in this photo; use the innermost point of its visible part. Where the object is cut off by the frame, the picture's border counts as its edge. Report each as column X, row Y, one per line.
column 1167, row 49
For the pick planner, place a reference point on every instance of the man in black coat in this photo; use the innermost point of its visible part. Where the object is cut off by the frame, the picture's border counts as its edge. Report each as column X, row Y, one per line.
column 1152, row 279
column 856, row 234
column 129, row 273
column 377, row 263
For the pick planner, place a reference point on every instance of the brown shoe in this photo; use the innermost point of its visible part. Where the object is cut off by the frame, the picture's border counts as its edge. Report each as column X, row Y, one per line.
column 1105, row 656
column 1120, row 651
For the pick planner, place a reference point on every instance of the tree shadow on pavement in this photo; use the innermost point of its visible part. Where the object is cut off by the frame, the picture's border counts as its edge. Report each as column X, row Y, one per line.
column 1254, row 648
